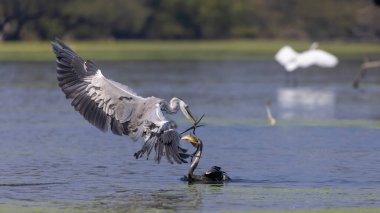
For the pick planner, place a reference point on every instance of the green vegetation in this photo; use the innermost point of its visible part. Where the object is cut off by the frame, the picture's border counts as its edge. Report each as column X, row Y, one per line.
column 178, row 50
column 190, row 19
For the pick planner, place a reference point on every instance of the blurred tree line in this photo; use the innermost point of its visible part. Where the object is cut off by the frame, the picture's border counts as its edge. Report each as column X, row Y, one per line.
column 189, row 19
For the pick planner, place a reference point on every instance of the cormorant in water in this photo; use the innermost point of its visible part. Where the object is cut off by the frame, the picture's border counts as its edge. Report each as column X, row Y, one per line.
column 213, row 175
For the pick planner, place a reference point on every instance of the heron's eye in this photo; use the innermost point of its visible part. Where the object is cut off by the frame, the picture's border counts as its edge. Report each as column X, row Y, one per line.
column 162, row 107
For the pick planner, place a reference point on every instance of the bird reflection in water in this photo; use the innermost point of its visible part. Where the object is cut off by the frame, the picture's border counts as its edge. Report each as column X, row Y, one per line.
column 214, row 175
column 306, row 103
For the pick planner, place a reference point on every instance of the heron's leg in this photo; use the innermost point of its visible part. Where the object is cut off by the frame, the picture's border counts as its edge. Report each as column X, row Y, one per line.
column 295, row 79
column 288, row 80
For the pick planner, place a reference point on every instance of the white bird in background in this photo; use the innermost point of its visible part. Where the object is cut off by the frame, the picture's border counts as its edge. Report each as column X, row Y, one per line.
column 292, row 60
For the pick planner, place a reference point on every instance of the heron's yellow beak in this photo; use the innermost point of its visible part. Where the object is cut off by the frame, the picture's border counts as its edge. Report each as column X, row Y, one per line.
column 191, row 139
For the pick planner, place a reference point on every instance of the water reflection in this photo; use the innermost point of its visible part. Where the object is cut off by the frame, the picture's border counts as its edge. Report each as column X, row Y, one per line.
column 304, row 102
column 173, row 199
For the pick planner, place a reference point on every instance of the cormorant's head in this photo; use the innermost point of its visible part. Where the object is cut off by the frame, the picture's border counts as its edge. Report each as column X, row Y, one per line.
column 191, row 139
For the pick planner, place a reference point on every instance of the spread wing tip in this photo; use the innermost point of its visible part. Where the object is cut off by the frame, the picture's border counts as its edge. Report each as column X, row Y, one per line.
column 59, row 44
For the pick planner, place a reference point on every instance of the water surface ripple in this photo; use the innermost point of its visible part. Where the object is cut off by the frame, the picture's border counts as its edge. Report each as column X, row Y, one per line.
column 324, row 153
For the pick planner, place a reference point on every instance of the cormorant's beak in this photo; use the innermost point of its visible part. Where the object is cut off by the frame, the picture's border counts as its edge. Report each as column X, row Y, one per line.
column 191, row 139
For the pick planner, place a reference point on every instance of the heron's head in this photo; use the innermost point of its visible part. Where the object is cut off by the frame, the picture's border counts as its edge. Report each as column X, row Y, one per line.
column 191, row 139
column 314, row 45
column 186, row 111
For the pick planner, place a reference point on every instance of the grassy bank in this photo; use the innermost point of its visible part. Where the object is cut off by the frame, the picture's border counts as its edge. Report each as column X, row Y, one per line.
column 178, row 50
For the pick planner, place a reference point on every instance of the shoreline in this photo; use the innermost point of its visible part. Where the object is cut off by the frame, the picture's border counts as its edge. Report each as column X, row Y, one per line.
column 185, row 50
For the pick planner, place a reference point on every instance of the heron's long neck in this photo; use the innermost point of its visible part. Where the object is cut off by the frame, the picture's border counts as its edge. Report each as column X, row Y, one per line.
column 195, row 162
column 174, row 105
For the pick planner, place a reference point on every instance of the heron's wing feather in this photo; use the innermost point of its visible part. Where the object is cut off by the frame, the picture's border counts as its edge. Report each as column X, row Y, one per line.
column 103, row 102
column 165, row 143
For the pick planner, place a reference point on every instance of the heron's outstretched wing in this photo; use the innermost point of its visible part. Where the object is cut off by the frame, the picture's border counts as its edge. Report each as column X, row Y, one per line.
column 101, row 101
column 108, row 104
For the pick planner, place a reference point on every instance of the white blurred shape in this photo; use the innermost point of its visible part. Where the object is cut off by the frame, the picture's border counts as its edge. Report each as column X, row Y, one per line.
column 292, row 60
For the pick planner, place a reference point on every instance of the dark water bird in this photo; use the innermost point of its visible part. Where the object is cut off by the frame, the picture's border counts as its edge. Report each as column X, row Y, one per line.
column 366, row 65
column 107, row 104
column 213, row 175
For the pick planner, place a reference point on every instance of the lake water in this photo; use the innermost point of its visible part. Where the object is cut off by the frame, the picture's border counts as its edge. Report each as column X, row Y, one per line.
column 324, row 152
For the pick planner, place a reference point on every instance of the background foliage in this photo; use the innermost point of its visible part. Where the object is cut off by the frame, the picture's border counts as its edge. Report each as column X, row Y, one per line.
column 190, row 19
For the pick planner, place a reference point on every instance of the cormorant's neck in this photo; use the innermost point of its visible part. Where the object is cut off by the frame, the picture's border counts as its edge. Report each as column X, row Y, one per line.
column 197, row 157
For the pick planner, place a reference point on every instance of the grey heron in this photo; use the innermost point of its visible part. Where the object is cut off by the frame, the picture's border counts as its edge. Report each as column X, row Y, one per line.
column 213, row 175
column 107, row 104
